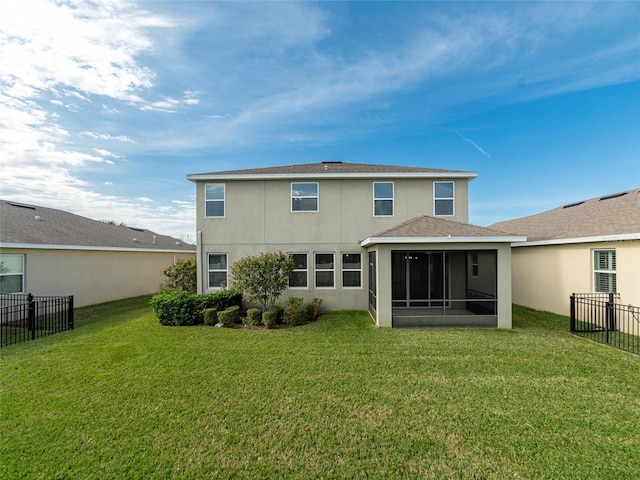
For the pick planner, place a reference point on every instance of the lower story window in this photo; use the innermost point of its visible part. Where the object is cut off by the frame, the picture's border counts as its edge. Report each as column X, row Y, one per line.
column 604, row 271
column 217, row 270
column 11, row 273
column 324, row 270
column 351, row 270
column 298, row 278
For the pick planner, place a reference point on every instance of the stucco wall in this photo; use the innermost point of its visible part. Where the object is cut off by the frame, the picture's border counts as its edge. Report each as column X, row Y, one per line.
column 544, row 277
column 94, row 276
column 259, row 212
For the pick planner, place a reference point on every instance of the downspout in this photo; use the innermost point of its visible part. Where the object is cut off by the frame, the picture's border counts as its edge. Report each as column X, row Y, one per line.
column 200, row 264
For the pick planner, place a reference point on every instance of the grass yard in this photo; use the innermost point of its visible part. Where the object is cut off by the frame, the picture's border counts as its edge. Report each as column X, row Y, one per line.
column 123, row 397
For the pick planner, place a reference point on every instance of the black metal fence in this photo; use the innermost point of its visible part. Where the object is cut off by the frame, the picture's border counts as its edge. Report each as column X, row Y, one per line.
column 601, row 318
column 26, row 317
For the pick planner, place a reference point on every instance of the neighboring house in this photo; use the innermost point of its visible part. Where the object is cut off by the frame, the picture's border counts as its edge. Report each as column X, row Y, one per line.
column 45, row 251
column 592, row 246
column 393, row 240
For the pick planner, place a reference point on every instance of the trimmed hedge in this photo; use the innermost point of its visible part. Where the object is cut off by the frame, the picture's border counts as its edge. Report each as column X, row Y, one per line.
column 210, row 316
column 273, row 317
column 254, row 317
column 182, row 308
column 230, row 316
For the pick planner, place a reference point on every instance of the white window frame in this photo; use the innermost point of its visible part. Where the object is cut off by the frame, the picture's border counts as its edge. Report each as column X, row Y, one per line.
column 392, row 199
column 475, row 265
column 217, row 200
column 349, row 269
column 302, row 197
column 217, row 270
column 305, row 270
column 316, row 270
column 15, row 274
column 611, row 272
column 452, row 198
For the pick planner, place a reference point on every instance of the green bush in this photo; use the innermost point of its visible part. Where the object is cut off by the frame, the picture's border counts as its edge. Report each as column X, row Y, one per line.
column 221, row 300
column 315, row 305
column 181, row 276
column 183, row 308
column 230, row 316
column 210, row 316
column 296, row 312
column 254, row 317
column 273, row 317
column 176, row 308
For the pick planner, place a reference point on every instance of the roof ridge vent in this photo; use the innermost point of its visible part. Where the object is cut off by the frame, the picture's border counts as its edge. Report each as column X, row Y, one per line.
column 615, row 195
column 573, row 204
column 329, row 162
column 21, row 205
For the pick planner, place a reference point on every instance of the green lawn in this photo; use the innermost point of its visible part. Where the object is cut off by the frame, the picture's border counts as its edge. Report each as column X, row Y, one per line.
column 123, row 397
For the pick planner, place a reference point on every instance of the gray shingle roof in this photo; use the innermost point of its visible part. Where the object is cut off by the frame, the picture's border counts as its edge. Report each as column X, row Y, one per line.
column 30, row 224
column 433, row 227
column 324, row 168
column 615, row 214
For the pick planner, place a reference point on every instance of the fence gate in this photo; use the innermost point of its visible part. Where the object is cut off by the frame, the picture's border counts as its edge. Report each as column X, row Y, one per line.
column 600, row 317
column 26, row 317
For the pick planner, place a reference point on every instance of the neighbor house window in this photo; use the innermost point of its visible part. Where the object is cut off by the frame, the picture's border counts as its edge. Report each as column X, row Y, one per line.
column 217, row 270
column 604, row 271
column 214, row 199
column 383, row 199
column 351, row 270
column 443, row 196
column 11, row 273
column 304, row 197
column 324, row 270
column 298, row 278
column 474, row 264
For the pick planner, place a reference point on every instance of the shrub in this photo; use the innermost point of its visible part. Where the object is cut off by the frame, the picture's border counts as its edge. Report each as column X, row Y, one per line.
column 210, row 316
column 272, row 317
column 176, row 308
column 296, row 312
column 264, row 277
column 254, row 317
column 315, row 308
column 181, row 276
column 230, row 316
column 221, row 300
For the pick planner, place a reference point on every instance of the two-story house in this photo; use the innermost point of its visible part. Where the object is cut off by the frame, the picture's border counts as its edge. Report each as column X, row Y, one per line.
column 393, row 240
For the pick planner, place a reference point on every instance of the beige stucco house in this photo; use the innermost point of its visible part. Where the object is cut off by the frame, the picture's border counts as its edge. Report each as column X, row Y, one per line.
column 45, row 251
column 389, row 239
column 591, row 246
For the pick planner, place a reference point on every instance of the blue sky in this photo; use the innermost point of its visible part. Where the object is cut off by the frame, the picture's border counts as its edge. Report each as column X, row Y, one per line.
column 105, row 108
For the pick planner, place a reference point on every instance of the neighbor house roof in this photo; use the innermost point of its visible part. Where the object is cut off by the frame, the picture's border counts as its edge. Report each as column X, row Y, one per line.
column 331, row 170
column 31, row 226
column 611, row 217
column 426, row 229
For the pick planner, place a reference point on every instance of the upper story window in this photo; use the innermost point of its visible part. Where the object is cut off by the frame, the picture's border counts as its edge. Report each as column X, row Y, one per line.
column 382, row 199
column 443, row 198
column 214, row 194
column 604, row 271
column 11, row 273
column 304, row 197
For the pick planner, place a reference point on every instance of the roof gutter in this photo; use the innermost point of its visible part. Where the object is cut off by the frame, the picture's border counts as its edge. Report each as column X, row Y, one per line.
column 565, row 241
column 367, row 242
column 333, row 175
column 41, row 246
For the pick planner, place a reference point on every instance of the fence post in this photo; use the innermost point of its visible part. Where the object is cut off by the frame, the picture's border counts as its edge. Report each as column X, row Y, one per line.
column 572, row 313
column 608, row 317
column 70, row 314
column 32, row 316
